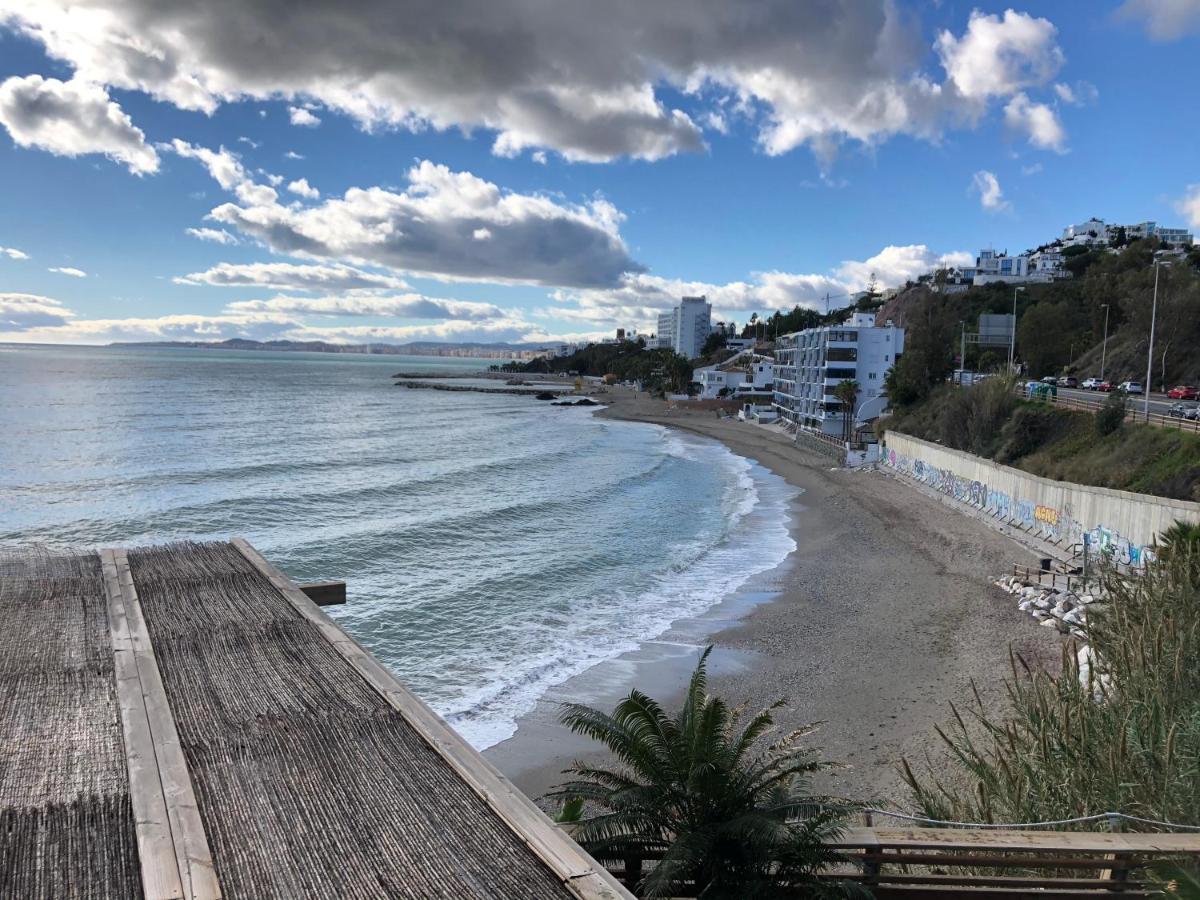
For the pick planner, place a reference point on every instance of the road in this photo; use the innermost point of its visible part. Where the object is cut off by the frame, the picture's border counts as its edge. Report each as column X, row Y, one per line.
column 1159, row 403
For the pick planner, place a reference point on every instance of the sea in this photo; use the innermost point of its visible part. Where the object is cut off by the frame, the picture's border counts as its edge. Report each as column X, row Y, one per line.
column 493, row 546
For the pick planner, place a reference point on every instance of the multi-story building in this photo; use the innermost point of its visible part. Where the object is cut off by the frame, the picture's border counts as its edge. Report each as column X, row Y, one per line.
column 745, row 373
column 685, row 328
column 809, row 364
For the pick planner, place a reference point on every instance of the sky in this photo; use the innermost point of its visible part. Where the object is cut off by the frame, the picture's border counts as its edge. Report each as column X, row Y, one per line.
column 545, row 170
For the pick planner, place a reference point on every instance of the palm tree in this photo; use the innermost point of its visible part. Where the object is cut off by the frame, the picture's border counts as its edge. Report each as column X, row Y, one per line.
column 847, row 392
column 725, row 819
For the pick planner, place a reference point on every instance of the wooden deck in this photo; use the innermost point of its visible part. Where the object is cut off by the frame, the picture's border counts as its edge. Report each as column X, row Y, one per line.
column 185, row 722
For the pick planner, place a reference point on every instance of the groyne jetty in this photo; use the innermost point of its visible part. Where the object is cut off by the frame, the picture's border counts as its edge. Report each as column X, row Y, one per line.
column 480, row 389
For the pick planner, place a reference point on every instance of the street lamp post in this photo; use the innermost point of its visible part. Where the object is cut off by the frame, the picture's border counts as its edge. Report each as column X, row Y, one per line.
column 1104, row 346
column 1012, row 338
column 1150, row 351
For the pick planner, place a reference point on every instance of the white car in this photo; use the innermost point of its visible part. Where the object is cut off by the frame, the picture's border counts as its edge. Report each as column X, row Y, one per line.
column 1090, row 384
column 1130, row 387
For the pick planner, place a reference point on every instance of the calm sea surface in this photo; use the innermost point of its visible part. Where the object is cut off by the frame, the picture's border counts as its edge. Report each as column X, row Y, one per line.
column 493, row 545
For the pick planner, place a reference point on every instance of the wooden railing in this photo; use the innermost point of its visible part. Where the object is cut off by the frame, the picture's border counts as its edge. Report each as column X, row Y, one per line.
column 955, row 862
column 1068, row 580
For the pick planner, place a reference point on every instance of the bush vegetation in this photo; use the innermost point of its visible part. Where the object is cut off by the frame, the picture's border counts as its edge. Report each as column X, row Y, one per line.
column 1124, row 737
column 989, row 420
column 729, row 818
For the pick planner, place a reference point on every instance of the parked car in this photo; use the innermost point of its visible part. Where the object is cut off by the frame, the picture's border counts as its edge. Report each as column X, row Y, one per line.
column 1182, row 392
column 1069, row 381
column 1050, row 379
column 1091, row 384
column 1130, row 387
column 1105, row 386
column 1184, row 410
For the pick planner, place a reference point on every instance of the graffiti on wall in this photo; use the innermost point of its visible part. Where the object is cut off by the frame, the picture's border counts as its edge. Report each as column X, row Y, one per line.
column 1049, row 522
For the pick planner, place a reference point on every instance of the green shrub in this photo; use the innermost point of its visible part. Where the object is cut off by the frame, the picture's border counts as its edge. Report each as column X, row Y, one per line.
column 1111, row 415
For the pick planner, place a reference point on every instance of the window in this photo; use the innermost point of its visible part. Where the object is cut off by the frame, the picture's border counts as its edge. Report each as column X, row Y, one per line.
column 872, row 376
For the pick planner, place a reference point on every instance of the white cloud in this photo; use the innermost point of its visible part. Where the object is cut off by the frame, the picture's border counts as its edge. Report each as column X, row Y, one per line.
column 1033, row 169
column 1038, row 121
column 482, row 234
column 991, row 197
column 22, row 312
column 72, row 118
column 68, row 270
column 403, row 306
column 292, row 154
column 224, row 167
column 298, row 115
column 1188, row 205
column 13, row 253
column 585, row 80
column 214, row 235
column 1082, row 93
column 1165, row 20
column 254, row 145
column 430, row 229
column 640, row 297
column 1000, row 55
column 302, row 188
column 290, row 276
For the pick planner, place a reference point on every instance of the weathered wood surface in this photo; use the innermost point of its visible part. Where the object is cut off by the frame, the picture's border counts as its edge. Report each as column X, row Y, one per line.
column 995, row 839
column 580, row 874
column 325, row 593
column 176, row 861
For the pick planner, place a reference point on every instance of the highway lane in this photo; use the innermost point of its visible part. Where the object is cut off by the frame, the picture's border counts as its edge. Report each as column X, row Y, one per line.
column 1159, row 403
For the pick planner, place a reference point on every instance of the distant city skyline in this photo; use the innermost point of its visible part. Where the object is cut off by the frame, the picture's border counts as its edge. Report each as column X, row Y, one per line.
column 545, row 172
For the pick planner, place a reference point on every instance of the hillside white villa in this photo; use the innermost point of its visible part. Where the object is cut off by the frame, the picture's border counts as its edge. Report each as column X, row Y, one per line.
column 810, row 363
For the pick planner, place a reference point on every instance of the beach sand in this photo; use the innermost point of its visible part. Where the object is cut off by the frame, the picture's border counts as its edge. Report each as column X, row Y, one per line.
column 882, row 617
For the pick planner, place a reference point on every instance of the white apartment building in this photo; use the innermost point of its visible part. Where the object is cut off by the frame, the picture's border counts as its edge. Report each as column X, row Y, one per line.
column 809, row 364
column 685, row 328
column 746, row 372
column 1096, row 233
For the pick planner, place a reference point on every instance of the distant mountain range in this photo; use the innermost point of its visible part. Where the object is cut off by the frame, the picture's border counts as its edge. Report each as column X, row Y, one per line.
column 417, row 348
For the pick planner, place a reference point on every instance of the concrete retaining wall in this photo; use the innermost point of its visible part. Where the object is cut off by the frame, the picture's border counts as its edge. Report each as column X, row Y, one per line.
column 1118, row 522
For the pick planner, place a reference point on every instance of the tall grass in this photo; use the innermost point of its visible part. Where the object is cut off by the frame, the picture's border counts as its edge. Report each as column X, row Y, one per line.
column 1124, row 738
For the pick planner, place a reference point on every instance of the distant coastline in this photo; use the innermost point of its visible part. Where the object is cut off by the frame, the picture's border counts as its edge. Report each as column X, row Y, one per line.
column 416, row 348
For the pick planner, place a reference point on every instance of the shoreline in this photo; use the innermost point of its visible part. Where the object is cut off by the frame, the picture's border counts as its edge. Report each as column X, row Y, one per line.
column 883, row 615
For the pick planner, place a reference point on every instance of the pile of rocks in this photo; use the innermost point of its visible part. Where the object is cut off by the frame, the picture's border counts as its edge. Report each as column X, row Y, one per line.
column 1054, row 608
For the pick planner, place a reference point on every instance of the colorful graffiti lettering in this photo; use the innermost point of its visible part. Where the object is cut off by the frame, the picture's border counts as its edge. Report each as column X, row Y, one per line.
column 1046, row 515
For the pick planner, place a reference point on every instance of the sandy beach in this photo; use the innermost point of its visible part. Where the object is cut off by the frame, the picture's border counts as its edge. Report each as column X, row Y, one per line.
column 882, row 617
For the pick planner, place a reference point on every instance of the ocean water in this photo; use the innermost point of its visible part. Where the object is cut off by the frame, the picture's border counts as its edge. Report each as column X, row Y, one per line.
column 493, row 546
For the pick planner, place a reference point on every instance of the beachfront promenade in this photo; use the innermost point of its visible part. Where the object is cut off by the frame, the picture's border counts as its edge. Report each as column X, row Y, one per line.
column 184, row 722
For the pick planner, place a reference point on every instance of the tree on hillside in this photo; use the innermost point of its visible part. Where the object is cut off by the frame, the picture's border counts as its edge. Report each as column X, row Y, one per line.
column 930, row 341
column 1044, row 336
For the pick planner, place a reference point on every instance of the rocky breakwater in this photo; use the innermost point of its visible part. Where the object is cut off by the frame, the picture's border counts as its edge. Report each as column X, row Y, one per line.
column 1065, row 610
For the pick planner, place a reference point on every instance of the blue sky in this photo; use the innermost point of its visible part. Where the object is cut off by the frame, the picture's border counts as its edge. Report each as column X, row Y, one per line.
column 529, row 171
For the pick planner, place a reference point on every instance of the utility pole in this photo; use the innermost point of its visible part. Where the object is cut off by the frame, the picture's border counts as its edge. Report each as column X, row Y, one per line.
column 1012, row 338
column 1104, row 346
column 1150, row 351
column 962, row 351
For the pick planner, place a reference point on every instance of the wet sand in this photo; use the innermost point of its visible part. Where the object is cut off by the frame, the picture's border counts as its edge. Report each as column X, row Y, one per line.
column 882, row 617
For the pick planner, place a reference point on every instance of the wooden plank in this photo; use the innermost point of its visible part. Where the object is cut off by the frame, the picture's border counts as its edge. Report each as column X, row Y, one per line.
column 156, row 848
column 325, row 593
column 581, row 874
column 189, row 843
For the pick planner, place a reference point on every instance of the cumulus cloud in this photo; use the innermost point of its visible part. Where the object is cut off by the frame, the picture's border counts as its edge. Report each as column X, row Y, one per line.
column 13, row 253
column 999, row 55
column 402, row 306
column 302, row 188
column 1038, row 121
column 431, row 227
column 292, row 154
column 587, row 80
column 68, row 270
column 23, row 312
column 291, row 276
column 1082, row 93
column 72, row 118
column 1188, row 206
column 640, row 297
column 987, row 186
column 298, row 115
column 214, row 235
column 224, row 166
column 1165, row 20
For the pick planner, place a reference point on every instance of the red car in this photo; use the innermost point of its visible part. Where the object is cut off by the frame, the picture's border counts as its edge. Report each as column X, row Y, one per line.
column 1105, row 386
column 1182, row 392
